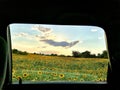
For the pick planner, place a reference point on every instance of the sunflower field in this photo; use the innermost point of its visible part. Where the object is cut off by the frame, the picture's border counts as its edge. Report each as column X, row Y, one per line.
column 41, row 68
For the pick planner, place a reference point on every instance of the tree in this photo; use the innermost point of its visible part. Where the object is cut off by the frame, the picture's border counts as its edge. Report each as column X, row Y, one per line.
column 99, row 55
column 53, row 54
column 92, row 56
column 86, row 54
column 61, row 55
column 15, row 51
column 104, row 54
column 76, row 54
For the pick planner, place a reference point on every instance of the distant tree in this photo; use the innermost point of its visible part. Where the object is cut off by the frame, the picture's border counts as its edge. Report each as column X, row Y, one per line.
column 40, row 53
column 53, row 54
column 34, row 53
column 99, row 55
column 15, row 51
column 62, row 55
column 68, row 56
column 76, row 53
column 93, row 56
column 86, row 54
column 23, row 53
column 104, row 54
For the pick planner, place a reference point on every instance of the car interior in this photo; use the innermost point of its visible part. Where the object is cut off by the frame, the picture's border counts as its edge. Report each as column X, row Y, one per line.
column 105, row 14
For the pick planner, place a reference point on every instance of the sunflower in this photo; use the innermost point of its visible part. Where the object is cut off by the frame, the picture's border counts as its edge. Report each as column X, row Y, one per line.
column 54, row 74
column 25, row 74
column 19, row 77
column 75, row 78
column 39, row 72
column 61, row 75
column 99, row 79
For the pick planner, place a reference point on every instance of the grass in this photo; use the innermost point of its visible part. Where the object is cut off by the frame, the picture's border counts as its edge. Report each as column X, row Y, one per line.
column 34, row 68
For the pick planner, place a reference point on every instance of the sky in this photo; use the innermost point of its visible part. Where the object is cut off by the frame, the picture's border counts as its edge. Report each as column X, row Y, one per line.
column 57, row 39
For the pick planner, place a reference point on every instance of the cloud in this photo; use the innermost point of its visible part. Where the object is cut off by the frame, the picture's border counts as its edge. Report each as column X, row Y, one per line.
column 42, row 47
column 27, row 36
column 46, row 32
column 62, row 43
column 49, row 37
column 22, row 34
column 41, row 37
column 42, row 29
column 94, row 30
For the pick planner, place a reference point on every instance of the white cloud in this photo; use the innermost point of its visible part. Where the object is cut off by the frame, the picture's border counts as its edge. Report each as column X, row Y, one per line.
column 42, row 29
column 25, row 36
column 49, row 38
column 21, row 34
column 46, row 32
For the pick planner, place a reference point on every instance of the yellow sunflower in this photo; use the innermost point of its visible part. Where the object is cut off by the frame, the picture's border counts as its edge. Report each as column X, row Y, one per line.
column 54, row 74
column 25, row 74
column 75, row 78
column 61, row 75
column 19, row 77
column 40, row 72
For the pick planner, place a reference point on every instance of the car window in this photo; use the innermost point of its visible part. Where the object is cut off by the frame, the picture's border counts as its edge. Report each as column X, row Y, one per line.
column 58, row 53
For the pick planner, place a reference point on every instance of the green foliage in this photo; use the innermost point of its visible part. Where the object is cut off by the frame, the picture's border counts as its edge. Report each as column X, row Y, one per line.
column 53, row 54
column 15, row 51
column 104, row 54
column 76, row 54
column 87, row 54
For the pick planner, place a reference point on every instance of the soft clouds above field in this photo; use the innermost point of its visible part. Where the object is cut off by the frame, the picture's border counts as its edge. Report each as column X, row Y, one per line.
column 57, row 39
column 49, row 37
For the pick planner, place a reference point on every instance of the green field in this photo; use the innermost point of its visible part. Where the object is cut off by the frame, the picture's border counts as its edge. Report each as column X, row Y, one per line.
column 41, row 68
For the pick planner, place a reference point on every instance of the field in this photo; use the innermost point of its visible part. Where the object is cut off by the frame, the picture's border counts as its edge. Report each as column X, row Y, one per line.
column 42, row 68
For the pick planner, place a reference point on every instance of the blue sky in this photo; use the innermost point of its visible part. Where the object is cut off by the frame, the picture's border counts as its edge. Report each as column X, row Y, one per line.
column 57, row 39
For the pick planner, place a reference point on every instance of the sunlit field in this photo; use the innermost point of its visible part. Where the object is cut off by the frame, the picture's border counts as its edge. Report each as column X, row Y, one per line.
column 34, row 68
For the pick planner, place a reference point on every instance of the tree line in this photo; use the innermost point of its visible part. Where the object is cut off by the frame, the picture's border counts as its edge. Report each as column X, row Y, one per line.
column 77, row 54
column 87, row 54
column 15, row 51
